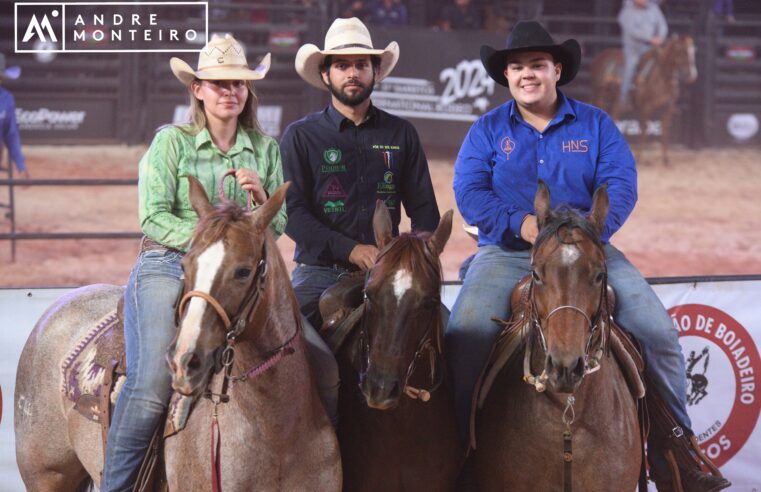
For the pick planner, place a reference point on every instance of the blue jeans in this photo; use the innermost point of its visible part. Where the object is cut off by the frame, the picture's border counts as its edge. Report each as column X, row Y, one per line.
column 485, row 293
column 153, row 287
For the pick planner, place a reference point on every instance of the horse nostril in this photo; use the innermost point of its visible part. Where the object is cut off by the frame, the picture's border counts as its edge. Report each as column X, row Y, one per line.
column 578, row 370
column 190, row 361
column 395, row 390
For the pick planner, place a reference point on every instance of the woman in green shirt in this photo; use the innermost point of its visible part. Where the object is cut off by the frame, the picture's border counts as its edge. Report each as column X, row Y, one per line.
column 223, row 134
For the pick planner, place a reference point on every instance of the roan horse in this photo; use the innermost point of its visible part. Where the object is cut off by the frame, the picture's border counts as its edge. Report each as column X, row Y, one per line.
column 397, row 429
column 655, row 90
column 274, row 432
column 561, row 320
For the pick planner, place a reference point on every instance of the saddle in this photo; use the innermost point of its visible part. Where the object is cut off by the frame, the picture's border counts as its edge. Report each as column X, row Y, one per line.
column 92, row 376
column 512, row 339
column 341, row 307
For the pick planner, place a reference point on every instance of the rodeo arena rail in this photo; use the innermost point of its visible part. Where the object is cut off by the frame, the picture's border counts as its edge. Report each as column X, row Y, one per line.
column 110, row 98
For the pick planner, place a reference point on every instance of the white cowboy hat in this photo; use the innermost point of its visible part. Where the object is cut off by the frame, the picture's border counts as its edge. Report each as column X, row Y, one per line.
column 11, row 73
column 345, row 37
column 221, row 59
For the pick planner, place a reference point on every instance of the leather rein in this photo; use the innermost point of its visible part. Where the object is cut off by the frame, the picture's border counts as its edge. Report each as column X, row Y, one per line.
column 601, row 321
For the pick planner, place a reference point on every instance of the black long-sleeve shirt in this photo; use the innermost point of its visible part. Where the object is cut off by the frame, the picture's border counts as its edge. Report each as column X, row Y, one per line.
column 337, row 171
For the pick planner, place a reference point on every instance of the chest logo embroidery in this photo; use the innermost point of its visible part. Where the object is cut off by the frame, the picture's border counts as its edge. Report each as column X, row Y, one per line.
column 333, row 189
column 576, row 145
column 332, row 164
column 507, row 146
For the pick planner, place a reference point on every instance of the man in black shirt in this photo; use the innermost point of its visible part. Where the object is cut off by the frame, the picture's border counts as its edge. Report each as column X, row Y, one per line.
column 343, row 158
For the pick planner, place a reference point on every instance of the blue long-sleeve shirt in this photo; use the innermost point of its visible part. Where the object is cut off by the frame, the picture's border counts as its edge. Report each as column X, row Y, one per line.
column 9, row 129
column 503, row 157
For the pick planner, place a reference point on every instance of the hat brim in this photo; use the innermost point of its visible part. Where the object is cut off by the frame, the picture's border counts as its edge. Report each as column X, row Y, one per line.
column 310, row 57
column 11, row 73
column 186, row 74
column 568, row 53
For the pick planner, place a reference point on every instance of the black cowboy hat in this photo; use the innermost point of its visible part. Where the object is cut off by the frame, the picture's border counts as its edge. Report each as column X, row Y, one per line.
column 531, row 36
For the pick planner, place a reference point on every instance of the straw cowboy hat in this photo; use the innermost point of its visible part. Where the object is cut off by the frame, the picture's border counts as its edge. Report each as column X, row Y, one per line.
column 531, row 36
column 11, row 73
column 221, row 59
column 345, row 37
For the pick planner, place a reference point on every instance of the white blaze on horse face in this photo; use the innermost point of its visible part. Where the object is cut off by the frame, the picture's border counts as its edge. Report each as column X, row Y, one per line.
column 402, row 283
column 693, row 66
column 569, row 254
column 207, row 266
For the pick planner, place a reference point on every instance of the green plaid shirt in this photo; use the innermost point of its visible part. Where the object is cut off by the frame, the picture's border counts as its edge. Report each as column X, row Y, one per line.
column 166, row 215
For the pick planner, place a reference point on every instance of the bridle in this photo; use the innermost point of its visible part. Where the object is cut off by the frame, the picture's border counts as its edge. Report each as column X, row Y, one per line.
column 592, row 355
column 425, row 344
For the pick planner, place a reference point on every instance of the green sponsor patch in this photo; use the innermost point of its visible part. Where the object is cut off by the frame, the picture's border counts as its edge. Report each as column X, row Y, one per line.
column 332, row 207
column 332, row 156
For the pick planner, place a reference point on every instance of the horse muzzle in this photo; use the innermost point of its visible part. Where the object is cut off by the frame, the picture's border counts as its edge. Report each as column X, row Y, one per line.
column 565, row 373
column 381, row 392
column 188, row 373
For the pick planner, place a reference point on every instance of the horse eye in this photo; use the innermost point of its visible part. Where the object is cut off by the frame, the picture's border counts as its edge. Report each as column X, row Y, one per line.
column 242, row 273
column 599, row 278
column 535, row 276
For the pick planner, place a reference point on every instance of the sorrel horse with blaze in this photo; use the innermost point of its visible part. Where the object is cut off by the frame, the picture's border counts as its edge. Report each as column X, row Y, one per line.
column 273, row 433
column 561, row 330
column 397, row 429
column 655, row 91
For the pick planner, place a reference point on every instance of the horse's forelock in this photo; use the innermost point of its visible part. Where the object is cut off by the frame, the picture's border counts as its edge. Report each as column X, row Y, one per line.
column 569, row 219
column 214, row 226
column 409, row 251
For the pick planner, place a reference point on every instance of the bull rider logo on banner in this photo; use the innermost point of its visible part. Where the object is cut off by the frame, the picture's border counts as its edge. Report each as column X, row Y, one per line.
column 722, row 396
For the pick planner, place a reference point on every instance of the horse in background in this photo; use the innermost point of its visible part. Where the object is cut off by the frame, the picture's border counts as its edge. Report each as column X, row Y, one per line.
column 656, row 87
column 567, row 426
column 397, row 429
column 268, row 427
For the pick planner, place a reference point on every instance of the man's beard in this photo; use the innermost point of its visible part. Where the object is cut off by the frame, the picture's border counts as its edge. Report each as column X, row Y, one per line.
column 359, row 96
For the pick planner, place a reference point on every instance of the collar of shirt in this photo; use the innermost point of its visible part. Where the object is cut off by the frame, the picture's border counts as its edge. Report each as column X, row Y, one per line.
column 340, row 121
column 565, row 111
column 242, row 141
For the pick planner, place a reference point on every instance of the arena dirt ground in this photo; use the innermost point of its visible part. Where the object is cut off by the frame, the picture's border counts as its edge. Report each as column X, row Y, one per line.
column 701, row 215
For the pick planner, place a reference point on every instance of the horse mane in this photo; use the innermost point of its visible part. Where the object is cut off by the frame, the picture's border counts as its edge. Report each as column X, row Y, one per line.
column 567, row 218
column 410, row 250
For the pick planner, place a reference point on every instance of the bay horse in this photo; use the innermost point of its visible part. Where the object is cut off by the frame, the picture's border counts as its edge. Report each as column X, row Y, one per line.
column 397, row 424
column 561, row 320
column 271, row 431
column 655, row 91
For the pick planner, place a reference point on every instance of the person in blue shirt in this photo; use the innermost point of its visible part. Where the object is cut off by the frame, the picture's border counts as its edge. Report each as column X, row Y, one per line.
column 8, row 127
column 574, row 148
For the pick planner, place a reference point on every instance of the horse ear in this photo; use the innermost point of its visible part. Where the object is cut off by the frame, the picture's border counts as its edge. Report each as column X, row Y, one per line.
column 600, row 205
column 542, row 204
column 198, row 198
column 441, row 235
column 263, row 215
column 381, row 224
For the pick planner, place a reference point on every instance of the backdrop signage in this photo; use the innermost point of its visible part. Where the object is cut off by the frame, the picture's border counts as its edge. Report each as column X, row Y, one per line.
column 66, row 119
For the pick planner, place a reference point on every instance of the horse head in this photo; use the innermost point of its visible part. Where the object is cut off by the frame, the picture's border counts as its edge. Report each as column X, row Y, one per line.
column 567, row 287
column 224, row 276
column 679, row 53
column 401, row 324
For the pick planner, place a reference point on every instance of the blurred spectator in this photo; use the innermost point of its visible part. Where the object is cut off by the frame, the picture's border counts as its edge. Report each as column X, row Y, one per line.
column 643, row 27
column 8, row 127
column 387, row 13
column 725, row 9
column 355, row 8
column 462, row 15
